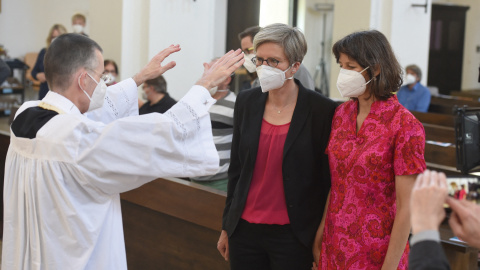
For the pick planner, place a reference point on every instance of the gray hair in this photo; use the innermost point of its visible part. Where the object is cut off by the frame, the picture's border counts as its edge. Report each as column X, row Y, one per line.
column 291, row 39
column 65, row 56
column 416, row 69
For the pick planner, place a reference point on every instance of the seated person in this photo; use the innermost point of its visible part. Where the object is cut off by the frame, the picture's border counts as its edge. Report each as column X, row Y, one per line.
column 111, row 69
column 158, row 100
column 413, row 95
column 78, row 24
column 221, row 115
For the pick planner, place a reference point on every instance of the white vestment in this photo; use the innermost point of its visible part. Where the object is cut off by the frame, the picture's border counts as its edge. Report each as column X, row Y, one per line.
column 61, row 191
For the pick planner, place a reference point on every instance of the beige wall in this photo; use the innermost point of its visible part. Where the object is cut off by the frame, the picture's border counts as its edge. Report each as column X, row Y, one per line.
column 24, row 24
column 349, row 16
column 105, row 23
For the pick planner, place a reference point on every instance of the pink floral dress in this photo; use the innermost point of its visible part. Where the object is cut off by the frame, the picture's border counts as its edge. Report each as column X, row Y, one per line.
column 363, row 166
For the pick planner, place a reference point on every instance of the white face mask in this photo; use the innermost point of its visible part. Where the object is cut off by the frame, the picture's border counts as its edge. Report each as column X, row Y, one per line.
column 271, row 78
column 98, row 96
column 248, row 64
column 77, row 28
column 112, row 78
column 410, row 79
column 351, row 83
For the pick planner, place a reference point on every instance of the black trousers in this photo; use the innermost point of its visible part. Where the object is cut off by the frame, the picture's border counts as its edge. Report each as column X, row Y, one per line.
column 265, row 247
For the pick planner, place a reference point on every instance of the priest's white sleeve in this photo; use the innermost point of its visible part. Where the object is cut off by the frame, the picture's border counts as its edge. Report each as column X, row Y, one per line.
column 121, row 100
column 134, row 150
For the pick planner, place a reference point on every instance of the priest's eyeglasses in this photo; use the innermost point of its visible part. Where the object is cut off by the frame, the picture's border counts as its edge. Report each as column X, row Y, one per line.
column 258, row 61
column 104, row 77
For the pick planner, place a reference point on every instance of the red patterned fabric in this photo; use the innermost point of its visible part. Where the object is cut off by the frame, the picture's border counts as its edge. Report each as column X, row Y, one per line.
column 363, row 166
column 266, row 197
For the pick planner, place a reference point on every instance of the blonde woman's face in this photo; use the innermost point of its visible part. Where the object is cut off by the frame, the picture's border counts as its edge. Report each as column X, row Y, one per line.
column 55, row 34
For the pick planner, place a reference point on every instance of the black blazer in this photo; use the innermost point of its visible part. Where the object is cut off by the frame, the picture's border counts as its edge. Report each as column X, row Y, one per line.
column 306, row 175
column 427, row 255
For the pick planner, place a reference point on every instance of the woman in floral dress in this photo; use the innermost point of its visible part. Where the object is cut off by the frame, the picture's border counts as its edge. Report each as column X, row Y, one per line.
column 376, row 149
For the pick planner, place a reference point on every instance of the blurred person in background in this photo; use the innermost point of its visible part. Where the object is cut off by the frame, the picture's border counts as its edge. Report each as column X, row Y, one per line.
column 111, row 69
column 158, row 99
column 38, row 71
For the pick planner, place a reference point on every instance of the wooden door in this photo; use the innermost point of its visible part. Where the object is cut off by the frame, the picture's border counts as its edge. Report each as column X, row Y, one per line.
column 447, row 36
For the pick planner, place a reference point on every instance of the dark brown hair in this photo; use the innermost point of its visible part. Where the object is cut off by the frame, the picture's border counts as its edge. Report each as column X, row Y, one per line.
column 371, row 49
column 249, row 32
column 107, row 62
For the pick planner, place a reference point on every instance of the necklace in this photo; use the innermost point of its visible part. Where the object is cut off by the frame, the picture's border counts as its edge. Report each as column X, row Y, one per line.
column 280, row 110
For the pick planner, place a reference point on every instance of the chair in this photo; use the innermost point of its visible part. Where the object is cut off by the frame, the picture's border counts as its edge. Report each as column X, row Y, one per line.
column 30, row 59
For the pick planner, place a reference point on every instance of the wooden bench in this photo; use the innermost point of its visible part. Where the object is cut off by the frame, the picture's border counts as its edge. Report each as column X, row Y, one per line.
column 173, row 224
column 473, row 94
column 444, row 104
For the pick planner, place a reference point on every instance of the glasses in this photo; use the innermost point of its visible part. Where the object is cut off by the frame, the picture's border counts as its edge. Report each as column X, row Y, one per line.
column 104, row 77
column 258, row 61
column 248, row 50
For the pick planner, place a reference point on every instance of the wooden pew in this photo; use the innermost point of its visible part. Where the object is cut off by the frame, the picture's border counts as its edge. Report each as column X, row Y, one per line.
column 444, row 104
column 447, row 120
column 460, row 255
column 173, row 224
column 473, row 94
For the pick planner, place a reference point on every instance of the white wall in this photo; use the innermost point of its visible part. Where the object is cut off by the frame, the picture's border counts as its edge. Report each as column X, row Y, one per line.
column 316, row 14
column 24, row 24
column 274, row 11
column 200, row 29
column 134, row 36
column 410, row 34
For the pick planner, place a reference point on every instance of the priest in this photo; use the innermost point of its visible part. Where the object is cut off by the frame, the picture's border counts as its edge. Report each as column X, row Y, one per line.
column 72, row 154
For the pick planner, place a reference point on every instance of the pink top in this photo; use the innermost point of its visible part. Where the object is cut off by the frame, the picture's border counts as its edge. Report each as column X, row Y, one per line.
column 363, row 166
column 266, row 198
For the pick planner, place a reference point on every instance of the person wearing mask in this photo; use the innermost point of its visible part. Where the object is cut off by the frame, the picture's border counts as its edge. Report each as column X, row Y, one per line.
column 221, row 114
column 246, row 42
column 158, row 99
column 278, row 178
column 38, row 71
column 78, row 24
column 375, row 151
column 413, row 95
column 429, row 195
column 111, row 69
column 65, row 169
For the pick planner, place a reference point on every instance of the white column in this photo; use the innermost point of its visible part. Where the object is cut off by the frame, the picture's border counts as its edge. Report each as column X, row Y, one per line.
column 200, row 29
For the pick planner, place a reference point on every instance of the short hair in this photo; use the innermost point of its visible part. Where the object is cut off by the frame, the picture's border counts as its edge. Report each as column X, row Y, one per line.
column 65, row 56
column 108, row 62
column 159, row 84
column 291, row 39
column 249, row 32
column 372, row 49
column 61, row 30
column 79, row 16
column 416, row 69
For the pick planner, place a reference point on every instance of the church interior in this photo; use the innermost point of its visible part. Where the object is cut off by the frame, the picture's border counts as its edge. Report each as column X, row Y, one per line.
column 174, row 223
